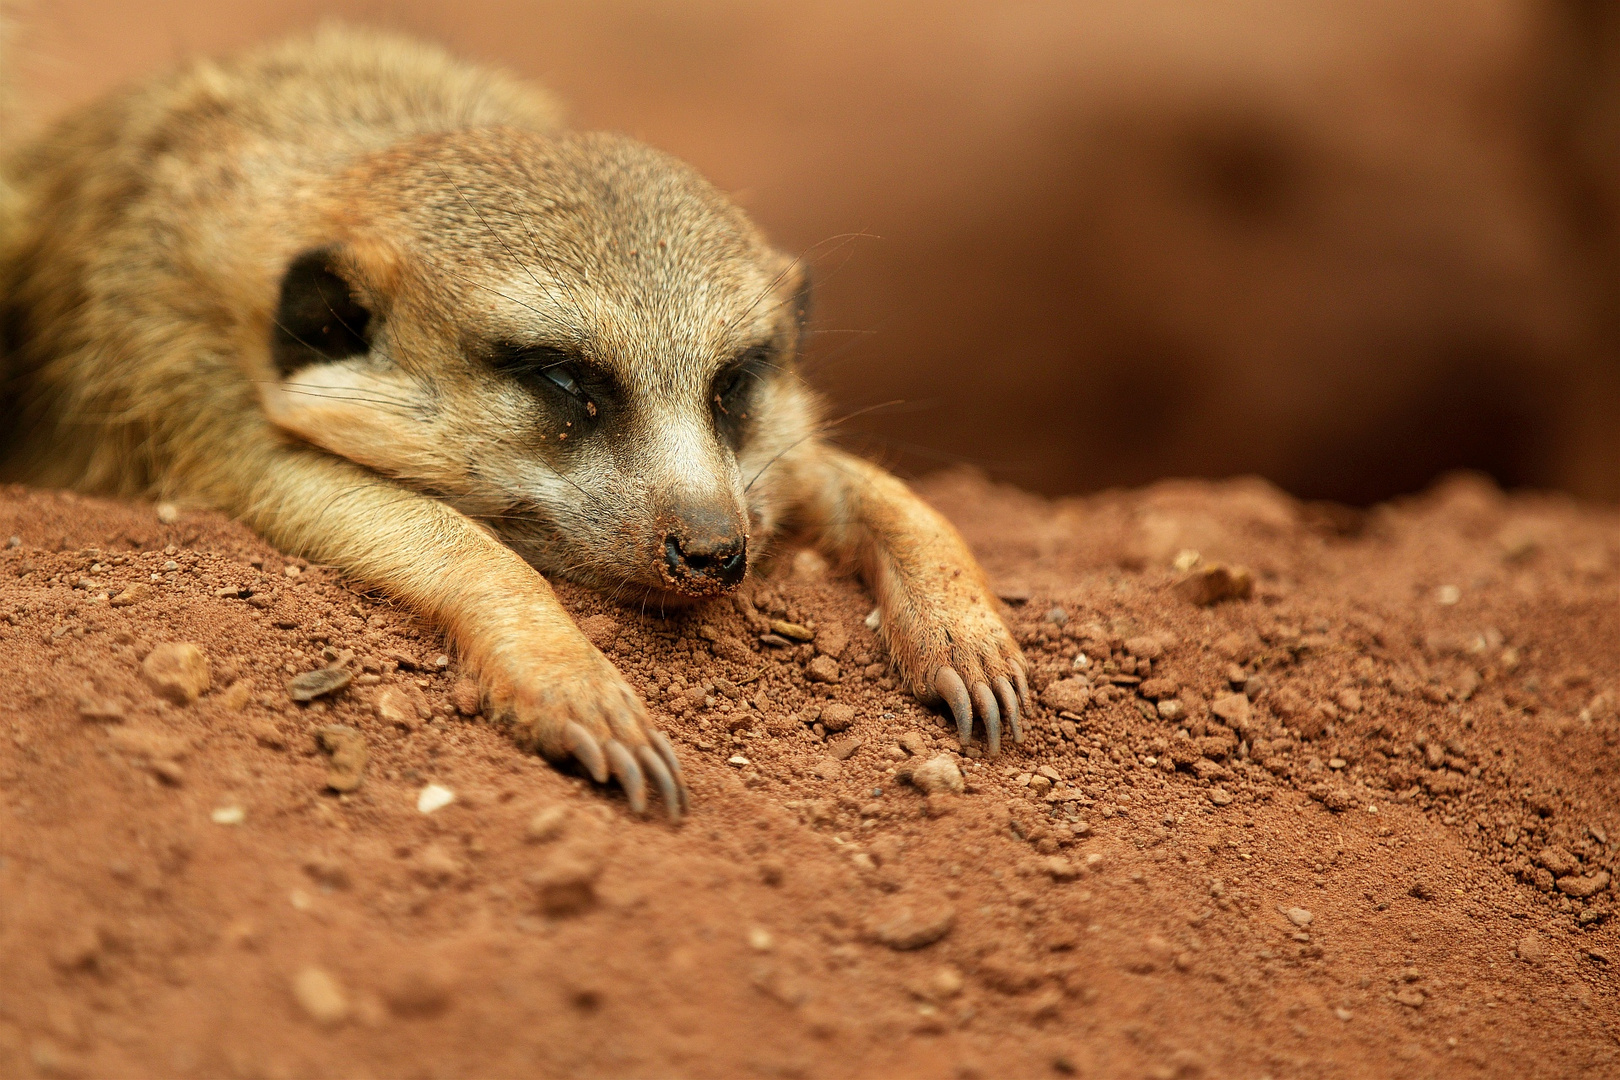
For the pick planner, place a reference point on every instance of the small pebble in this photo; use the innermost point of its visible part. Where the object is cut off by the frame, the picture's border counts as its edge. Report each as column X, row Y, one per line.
column 844, row 749
column 1068, row 695
column 434, row 797
column 938, row 775
column 1299, row 916
column 347, row 748
column 1212, row 583
column 1532, row 949
column 792, row 631
column 836, row 717
column 823, row 669
column 947, row 982
column 132, row 595
column 1234, row 709
column 565, row 886
column 228, row 815
column 434, row 865
column 320, row 995
column 828, row 768
column 178, row 671
column 1059, row 868
column 234, row 698
column 1582, row 886
column 100, row 710
column 401, row 706
column 318, row 683
column 904, row 928
column 267, row 735
column 546, row 825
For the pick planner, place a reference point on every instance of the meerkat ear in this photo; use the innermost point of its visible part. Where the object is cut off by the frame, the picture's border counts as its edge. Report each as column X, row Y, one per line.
column 794, row 283
column 801, row 300
column 319, row 319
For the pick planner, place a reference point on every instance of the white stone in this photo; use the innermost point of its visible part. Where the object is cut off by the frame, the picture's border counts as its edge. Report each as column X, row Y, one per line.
column 434, row 797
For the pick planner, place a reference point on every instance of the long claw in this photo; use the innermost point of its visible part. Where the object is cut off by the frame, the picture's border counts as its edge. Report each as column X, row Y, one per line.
column 948, row 685
column 986, row 701
column 629, row 774
column 1023, row 688
column 1009, row 706
column 666, row 749
column 654, row 766
column 582, row 744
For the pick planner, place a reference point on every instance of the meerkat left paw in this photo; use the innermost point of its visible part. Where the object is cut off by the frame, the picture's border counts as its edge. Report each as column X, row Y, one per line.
column 956, row 649
column 569, row 701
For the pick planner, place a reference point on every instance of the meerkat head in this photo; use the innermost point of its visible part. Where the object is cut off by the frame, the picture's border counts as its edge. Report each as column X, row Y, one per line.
column 573, row 338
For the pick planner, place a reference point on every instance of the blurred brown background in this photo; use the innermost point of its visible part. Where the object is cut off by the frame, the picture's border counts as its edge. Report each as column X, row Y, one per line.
column 1346, row 245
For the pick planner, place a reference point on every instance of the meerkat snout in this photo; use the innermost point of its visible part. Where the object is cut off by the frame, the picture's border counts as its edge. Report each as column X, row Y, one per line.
column 706, row 552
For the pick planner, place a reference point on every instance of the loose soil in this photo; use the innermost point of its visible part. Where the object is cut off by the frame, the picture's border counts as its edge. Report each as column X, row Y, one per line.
column 1359, row 824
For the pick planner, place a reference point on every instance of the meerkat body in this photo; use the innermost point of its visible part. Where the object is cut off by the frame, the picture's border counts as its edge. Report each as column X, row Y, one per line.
column 386, row 309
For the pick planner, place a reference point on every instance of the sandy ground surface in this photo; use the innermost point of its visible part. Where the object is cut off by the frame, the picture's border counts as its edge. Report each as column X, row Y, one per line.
column 1360, row 824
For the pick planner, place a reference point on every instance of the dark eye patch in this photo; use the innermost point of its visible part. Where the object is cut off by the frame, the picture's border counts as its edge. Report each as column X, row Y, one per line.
column 732, row 398
column 318, row 319
column 575, row 389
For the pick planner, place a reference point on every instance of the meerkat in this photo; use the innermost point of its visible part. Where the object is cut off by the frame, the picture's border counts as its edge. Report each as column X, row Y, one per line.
column 386, row 309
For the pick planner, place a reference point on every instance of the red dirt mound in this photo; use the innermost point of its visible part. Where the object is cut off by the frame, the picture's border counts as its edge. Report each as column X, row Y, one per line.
column 1362, row 822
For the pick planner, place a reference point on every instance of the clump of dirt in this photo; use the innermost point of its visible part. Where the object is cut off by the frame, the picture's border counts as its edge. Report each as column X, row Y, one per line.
column 1355, row 818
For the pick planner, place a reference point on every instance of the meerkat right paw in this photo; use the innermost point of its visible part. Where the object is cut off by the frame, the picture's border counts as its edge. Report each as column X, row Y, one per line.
column 581, row 707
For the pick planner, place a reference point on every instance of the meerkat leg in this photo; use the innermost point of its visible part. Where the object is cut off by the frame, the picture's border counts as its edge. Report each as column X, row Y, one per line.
column 564, row 698
column 938, row 616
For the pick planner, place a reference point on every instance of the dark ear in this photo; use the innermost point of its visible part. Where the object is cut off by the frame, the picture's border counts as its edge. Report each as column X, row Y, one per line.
column 318, row 319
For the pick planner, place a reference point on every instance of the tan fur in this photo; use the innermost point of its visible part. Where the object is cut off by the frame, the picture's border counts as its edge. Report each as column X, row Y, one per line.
column 426, row 437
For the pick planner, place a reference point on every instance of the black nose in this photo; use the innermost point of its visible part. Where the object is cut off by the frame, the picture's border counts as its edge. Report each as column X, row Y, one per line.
column 704, row 563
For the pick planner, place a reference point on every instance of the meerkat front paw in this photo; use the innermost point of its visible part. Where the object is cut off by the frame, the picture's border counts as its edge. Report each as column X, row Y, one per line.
column 575, row 704
column 949, row 644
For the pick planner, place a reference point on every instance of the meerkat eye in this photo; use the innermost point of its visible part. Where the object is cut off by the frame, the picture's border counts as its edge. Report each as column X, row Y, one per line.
column 727, row 386
column 732, row 395
column 563, row 376
column 732, row 384
column 550, row 372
